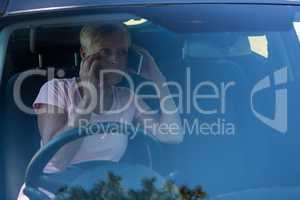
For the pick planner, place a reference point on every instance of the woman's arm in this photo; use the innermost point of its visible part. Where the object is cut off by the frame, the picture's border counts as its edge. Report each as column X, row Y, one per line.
column 166, row 126
column 51, row 124
column 55, row 120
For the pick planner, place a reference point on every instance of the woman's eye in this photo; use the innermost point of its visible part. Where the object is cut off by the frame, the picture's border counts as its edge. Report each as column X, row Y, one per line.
column 105, row 52
column 123, row 52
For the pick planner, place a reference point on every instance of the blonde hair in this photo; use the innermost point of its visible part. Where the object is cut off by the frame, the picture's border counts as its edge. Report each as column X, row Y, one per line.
column 91, row 34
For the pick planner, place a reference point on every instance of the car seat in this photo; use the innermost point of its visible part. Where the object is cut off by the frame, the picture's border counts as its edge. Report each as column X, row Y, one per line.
column 22, row 138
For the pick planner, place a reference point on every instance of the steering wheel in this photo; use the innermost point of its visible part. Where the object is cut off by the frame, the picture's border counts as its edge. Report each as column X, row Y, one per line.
column 84, row 174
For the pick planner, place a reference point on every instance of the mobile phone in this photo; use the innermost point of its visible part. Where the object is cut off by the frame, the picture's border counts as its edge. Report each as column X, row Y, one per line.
column 135, row 61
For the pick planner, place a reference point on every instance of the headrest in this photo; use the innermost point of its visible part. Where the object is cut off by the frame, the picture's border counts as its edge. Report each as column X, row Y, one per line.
column 45, row 40
column 57, row 46
column 218, row 45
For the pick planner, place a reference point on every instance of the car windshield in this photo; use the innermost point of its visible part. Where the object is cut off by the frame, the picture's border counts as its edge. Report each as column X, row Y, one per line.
column 231, row 70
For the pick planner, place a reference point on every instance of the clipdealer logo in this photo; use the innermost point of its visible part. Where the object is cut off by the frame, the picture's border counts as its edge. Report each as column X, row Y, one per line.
column 205, row 98
column 280, row 120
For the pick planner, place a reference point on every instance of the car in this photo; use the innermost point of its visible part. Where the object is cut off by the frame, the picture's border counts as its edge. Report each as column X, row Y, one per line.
column 232, row 69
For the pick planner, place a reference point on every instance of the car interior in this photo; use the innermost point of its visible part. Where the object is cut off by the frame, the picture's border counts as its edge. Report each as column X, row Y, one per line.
column 41, row 48
column 220, row 56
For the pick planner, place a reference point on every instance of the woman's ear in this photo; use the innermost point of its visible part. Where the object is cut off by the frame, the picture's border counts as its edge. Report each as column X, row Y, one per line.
column 82, row 53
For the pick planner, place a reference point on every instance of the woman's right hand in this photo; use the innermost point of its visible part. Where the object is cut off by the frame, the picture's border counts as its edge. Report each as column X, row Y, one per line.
column 87, row 86
column 89, row 73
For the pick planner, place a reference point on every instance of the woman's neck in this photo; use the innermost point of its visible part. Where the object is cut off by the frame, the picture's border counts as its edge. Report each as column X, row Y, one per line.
column 105, row 98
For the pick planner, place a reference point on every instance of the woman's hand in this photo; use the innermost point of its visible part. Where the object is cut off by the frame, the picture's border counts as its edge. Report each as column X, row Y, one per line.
column 89, row 73
column 149, row 69
column 88, row 86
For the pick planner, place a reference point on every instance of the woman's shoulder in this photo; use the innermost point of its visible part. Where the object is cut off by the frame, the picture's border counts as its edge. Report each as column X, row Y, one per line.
column 54, row 92
column 62, row 83
column 62, row 86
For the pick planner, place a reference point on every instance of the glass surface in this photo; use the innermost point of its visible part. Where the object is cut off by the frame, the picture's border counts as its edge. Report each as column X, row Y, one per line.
column 234, row 73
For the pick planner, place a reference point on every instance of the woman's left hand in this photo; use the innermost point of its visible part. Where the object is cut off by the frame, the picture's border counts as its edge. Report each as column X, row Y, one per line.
column 149, row 68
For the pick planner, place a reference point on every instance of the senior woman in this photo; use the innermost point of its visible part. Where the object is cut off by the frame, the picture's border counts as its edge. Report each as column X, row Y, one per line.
column 64, row 103
column 103, row 47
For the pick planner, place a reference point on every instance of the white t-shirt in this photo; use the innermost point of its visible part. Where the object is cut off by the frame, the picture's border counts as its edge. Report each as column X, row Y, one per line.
column 58, row 92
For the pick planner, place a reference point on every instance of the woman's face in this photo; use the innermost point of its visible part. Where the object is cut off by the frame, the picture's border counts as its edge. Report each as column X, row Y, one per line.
column 112, row 52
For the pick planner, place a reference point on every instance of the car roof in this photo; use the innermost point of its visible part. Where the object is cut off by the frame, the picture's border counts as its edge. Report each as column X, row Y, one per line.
column 12, row 7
